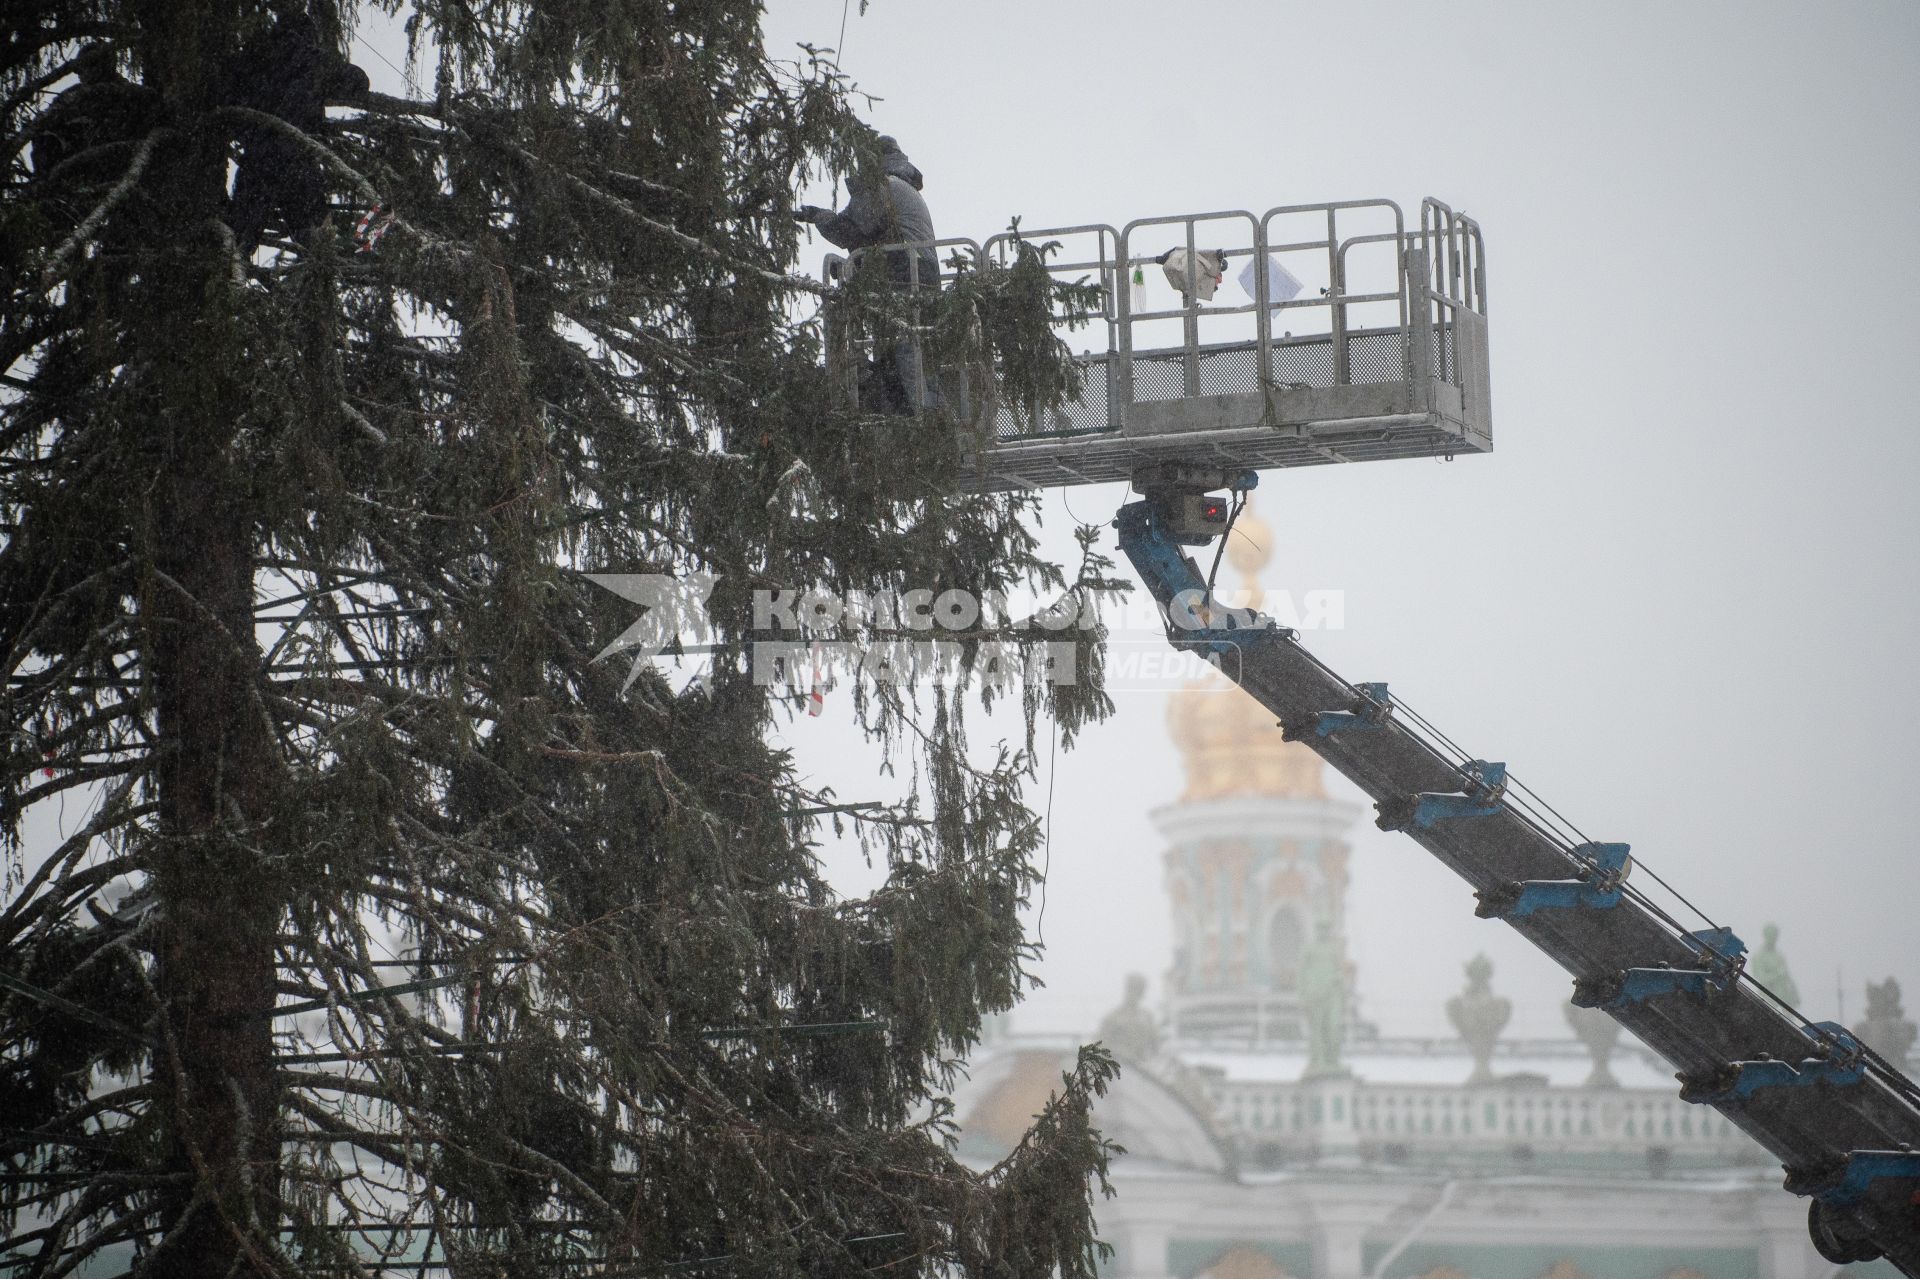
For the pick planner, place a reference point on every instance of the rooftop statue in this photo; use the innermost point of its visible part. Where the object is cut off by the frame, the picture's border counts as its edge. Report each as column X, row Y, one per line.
column 1323, row 1000
column 1129, row 1031
column 1769, row 967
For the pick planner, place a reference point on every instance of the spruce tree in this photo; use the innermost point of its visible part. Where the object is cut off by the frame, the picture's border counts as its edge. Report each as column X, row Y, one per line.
column 397, row 927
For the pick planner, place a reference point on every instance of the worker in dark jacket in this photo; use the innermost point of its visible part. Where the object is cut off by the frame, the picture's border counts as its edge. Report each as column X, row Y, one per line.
column 99, row 109
column 884, row 206
column 291, row 73
column 83, row 143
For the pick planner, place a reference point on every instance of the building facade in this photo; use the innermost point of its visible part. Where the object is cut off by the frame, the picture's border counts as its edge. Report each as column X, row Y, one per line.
column 1272, row 1134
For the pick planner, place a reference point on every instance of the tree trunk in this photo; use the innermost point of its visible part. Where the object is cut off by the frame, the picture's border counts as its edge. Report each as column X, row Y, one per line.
column 221, row 903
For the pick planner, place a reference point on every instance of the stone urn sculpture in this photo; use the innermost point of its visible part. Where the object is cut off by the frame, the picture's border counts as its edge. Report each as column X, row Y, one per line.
column 1599, row 1033
column 1479, row 1015
column 1884, row 1029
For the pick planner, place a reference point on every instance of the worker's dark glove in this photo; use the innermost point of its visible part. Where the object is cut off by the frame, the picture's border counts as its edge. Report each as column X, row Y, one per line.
column 811, row 213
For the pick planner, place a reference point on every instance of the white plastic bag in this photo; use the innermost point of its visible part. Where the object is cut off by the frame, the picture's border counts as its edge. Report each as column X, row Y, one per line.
column 1282, row 286
column 1201, row 283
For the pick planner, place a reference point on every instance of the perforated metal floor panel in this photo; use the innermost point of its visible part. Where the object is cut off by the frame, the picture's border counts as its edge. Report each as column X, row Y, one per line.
column 1211, row 407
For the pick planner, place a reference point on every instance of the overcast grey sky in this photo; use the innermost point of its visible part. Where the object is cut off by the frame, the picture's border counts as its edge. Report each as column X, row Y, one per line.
column 1679, row 598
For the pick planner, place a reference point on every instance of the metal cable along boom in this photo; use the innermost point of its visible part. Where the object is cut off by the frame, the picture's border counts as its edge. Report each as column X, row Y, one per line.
column 1188, row 420
column 1844, row 1122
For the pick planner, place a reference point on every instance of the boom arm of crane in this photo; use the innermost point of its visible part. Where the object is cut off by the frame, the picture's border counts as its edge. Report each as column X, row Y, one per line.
column 1844, row 1122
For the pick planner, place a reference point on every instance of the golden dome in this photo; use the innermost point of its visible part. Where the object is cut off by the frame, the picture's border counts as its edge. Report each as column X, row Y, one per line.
column 1231, row 746
column 1229, row 742
column 1250, row 548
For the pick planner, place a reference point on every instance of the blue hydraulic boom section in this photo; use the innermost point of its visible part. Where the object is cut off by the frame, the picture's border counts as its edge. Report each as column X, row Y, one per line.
column 1845, row 1124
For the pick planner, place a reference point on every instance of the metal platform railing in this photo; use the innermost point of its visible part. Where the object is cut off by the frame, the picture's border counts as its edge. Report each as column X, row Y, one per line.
column 1337, row 334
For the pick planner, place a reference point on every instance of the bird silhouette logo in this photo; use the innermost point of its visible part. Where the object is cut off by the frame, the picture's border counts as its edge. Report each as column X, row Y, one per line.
column 676, row 609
